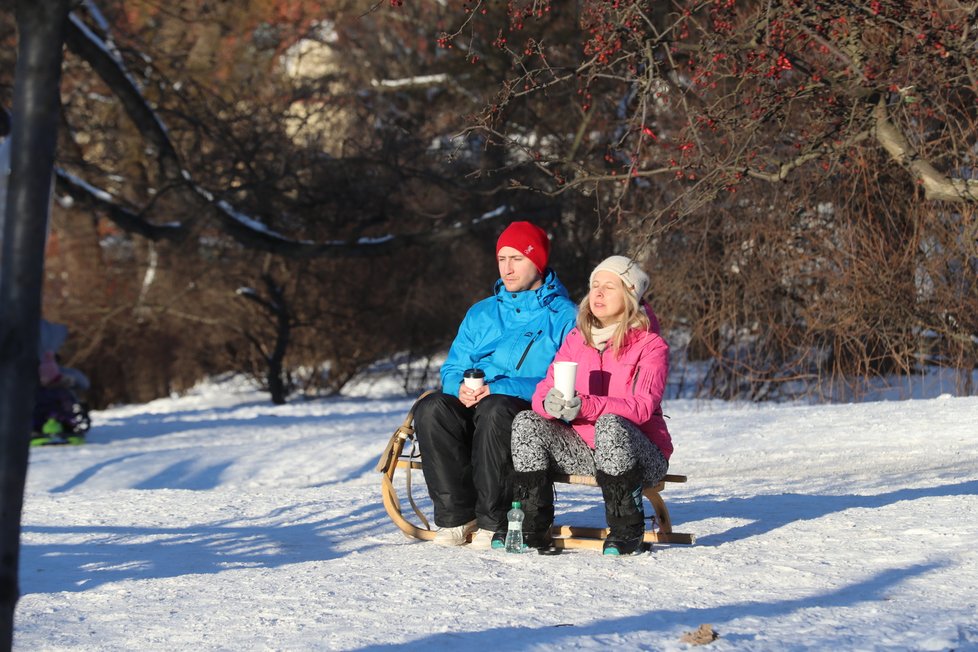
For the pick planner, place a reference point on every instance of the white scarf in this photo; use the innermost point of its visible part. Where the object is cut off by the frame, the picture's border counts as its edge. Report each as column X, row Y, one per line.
column 601, row 334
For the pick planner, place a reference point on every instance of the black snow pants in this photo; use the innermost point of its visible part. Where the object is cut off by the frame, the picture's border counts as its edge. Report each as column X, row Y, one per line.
column 466, row 457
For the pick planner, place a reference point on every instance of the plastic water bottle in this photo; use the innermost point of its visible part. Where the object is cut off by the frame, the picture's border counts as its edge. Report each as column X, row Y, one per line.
column 514, row 533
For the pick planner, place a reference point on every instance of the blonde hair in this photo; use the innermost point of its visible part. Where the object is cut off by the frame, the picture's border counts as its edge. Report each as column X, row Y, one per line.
column 634, row 317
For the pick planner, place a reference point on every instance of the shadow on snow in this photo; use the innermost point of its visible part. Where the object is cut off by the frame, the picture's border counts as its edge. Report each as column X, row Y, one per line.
column 155, row 424
column 770, row 512
column 765, row 513
column 661, row 620
column 113, row 554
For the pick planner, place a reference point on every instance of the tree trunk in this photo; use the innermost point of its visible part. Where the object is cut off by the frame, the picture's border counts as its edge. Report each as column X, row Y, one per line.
column 41, row 28
column 276, row 360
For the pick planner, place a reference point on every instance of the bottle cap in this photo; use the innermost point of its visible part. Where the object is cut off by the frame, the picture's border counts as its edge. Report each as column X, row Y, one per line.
column 516, row 504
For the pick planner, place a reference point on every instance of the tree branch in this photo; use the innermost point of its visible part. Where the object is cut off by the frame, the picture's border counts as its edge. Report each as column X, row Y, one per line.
column 936, row 184
column 109, row 66
column 245, row 229
column 786, row 168
column 97, row 199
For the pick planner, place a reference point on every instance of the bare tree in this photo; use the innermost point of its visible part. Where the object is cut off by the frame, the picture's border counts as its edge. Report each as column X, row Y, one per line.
column 275, row 308
column 33, row 139
column 720, row 137
column 170, row 171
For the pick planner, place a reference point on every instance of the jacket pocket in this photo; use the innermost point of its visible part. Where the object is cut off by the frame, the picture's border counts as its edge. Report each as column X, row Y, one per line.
column 529, row 345
column 635, row 378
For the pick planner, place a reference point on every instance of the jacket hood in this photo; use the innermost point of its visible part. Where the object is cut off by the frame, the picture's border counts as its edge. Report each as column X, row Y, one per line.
column 543, row 296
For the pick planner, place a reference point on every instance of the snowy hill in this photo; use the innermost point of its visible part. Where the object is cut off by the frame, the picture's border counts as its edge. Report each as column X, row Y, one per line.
column 217, row 521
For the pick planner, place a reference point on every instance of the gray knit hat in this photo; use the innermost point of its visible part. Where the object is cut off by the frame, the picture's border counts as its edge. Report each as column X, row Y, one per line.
column 631, row 274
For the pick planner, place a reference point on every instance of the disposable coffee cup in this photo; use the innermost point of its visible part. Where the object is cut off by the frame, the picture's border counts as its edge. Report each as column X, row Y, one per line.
column 474, row 378
column 565, row 375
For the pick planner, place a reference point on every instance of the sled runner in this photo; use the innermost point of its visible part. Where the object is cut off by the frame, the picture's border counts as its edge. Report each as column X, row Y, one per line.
column 394, row 459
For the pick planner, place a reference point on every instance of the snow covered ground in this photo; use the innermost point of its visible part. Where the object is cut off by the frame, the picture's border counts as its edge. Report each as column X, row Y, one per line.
column 217, row 521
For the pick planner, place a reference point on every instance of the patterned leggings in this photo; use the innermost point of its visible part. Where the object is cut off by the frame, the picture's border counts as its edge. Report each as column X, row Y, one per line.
column 540, row 444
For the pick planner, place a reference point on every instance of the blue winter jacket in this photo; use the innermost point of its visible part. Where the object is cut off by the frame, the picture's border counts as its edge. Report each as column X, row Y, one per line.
column 512, row 337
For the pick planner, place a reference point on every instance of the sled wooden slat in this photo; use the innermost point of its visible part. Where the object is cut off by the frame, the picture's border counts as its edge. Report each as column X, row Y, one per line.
column 572, row 536
column 565, row 536
column 591, row 482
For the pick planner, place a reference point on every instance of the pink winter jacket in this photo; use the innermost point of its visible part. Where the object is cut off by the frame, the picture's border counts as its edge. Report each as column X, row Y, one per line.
column 630, row 386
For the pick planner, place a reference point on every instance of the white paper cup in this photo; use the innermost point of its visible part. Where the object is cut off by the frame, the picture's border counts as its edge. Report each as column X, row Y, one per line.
column 474, row 378
column 565, row 375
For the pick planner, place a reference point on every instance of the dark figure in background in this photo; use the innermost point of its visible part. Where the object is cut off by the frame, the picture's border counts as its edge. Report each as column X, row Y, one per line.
column 60, row 417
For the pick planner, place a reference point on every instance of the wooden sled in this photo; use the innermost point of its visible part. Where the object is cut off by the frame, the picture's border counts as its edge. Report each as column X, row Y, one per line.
column 565, row 536
column 394, row 458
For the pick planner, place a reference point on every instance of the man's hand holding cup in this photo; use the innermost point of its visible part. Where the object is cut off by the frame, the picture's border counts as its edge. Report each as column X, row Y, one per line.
column 473, row 388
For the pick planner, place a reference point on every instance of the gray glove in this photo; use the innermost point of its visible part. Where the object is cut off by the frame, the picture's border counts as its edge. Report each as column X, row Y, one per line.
column 553, row 403
column 572, row 407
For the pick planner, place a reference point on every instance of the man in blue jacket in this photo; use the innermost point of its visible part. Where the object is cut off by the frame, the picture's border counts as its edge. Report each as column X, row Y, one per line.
column 464, row 433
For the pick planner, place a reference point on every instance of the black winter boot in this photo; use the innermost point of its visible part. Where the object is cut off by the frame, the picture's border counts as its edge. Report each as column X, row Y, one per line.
column 624, row 511
column 535, row 492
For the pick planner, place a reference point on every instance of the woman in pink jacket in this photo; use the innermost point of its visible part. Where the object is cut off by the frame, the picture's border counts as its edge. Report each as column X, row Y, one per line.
column 613, row 427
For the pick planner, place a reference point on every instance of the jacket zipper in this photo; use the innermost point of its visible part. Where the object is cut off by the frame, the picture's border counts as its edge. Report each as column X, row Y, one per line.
column 527, row 349
column 607, row 387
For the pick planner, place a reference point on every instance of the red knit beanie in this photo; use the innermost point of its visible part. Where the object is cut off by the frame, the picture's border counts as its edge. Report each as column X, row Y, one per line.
column 530, row 240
